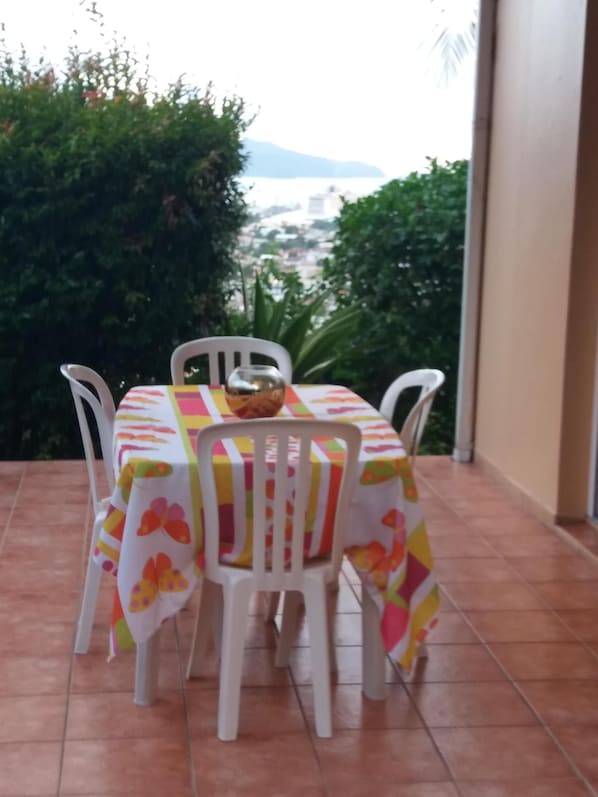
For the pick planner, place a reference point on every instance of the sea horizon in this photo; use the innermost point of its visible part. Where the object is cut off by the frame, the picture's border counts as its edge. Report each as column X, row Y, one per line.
column 266, row 192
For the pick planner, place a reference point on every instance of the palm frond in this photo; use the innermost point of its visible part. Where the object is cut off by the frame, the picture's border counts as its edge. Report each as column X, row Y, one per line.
column 454, row 37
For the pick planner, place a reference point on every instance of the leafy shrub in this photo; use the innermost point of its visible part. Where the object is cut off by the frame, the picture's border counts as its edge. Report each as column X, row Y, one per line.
column 398, row 254
column 119, row 214
column 301, row 319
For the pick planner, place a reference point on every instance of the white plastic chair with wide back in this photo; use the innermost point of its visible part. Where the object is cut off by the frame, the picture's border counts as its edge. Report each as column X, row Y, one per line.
column 83, row 382
column 429, row 380
column 276, row 566
column 225, row 352
column 102, row 406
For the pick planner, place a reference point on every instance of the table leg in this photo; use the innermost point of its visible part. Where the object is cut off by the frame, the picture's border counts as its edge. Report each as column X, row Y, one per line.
column 146, row 670
column 373, row 653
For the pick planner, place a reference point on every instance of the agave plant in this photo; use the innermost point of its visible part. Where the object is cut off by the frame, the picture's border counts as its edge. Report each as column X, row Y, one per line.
column 314, row 335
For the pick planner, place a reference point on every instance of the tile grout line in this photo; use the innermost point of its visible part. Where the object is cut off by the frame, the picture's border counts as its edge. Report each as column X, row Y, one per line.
column 399, row 672
column 4, row 535
column 183, row 689
column 89, row 516
column 516, row 684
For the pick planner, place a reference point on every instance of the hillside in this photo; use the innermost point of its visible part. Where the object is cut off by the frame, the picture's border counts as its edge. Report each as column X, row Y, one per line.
column 268, row 160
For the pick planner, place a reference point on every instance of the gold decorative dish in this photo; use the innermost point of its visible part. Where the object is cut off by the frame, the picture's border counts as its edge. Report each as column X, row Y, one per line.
column 255, row 391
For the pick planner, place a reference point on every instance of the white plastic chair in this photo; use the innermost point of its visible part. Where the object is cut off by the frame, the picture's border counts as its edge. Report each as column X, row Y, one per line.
column 102, row 405
column 429, row 380
column 271, row 572
column 234, row 350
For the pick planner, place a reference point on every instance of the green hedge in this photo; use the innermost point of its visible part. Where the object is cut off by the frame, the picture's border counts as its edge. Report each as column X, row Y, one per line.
column 119, row 214
column 398, row 254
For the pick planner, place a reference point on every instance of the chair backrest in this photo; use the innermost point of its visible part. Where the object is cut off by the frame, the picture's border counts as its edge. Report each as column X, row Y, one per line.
column 235, row 350
column 102, row 405
column 430, row 380
column 281, row 479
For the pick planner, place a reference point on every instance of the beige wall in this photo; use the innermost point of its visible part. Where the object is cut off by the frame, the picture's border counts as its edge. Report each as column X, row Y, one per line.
column 529, row 242
column 582, row 321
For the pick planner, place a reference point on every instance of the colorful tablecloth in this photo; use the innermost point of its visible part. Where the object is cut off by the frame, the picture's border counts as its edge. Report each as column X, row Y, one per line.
column 152, row 537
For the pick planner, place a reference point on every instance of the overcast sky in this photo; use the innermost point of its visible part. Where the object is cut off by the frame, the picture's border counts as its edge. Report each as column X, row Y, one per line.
column 347, row 79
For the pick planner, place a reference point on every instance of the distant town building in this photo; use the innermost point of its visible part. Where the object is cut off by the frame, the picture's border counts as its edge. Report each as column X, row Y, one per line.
column 326, row 205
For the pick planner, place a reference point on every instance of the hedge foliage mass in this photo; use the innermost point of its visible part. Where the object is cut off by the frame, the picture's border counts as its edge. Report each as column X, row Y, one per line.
column 119, row 214
column 398, row 255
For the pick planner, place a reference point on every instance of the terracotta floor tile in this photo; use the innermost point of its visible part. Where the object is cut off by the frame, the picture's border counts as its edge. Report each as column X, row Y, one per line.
column 456, row 663
column 555, row 787
column 259, row 633
column 459, row 570
column 32, row 718
column 59, row 560
column 12, row 468
column 29, row 769
column 583, row 623
column 7, row 501
column 446, row 604
column 25, row 607
column 485, row 596
column 570, row 594
column 580, row 743
column 523, row 626
column 258, row 670
column 33, row 675
column 261, row 711
column 487, row 508
column 9, row 482
column 499, row 526
column 46, row 638
column 40, row 495
column 459, row 545
column 71, row 537
column 452, row 629
column 352, row 711
column 546, row 660
column 379, row 757
column 448, row 525
column 515, row 545
column 564, row 702
column 92, row 672
column 445, row 705
column 358, row 787
column 260, row 765
column 63, row 514
column 554, row 568
column 107, row 766
column 348, row 662
column 346, row 630
column 500, row 753
column 114, row 715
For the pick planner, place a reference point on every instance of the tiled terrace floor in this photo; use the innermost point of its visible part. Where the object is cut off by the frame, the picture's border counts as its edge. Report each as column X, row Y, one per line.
column 505, row 706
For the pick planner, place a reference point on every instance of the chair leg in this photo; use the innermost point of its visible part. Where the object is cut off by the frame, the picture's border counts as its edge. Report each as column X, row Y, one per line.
column 234, row 627
column 331, row 620
column 147, row 667
column 208, row 618
column 317, row 618
column 291, row 604
column 89, row 601
column 373, row 653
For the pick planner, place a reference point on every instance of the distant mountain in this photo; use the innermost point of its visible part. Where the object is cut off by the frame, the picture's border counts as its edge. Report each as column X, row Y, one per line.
column 268, row 160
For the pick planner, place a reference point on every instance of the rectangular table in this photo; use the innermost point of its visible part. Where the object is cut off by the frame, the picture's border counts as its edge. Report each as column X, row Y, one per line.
column 152, row 538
